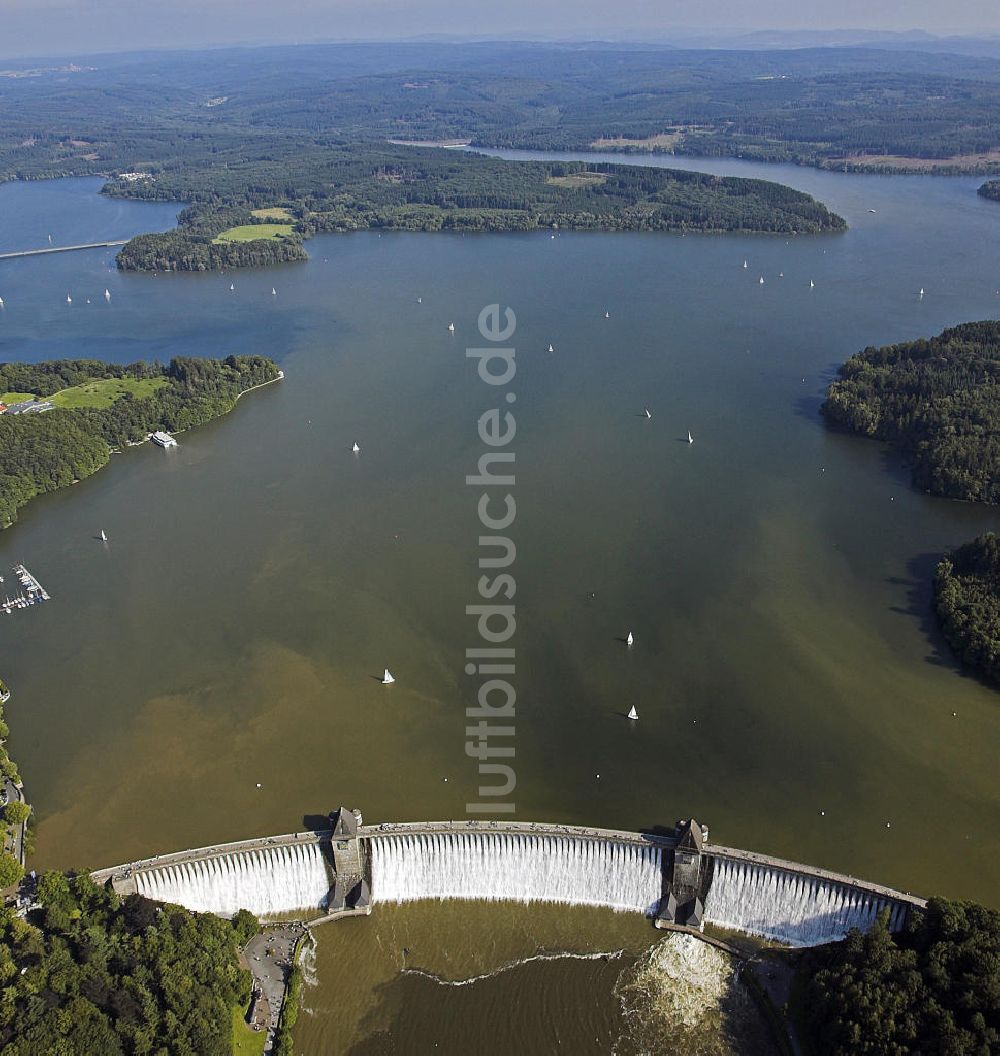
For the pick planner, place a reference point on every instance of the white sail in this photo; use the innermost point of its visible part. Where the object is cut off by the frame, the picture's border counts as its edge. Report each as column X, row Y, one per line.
column 632, row 713
column 646, row 413
column 690, row 437
column 451, row 328
column 387, row 678
column 274, row 292
column 1, row 302
column 607, row 315
column 104, row 536
column 811, row 284
column 921, row 293
column 69, row 300
column 107, row 295
column 232, row 286
column 745, row 263
column 762, row 280
column 551, row 349
column 355, row 448
column 629, row 638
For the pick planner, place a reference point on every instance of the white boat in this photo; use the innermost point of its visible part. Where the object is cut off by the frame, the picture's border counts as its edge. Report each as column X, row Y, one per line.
column 629, row 639
column 871, row 210
column 646, row 413
column 104, row 536
column 921, row 293
column 274, row 292
column 69, row 300
column 551, row 349
column 387, row 678
column 745, row 264
column 232, row 286
column 451, row 328
column 811, row 284
column 420, row 300
column 607, row 315
column 761, row 280
column 107, row 295
column 355, row 448
column 632, row 713
column 690, row 437
column 163, row 439
column 1, row 302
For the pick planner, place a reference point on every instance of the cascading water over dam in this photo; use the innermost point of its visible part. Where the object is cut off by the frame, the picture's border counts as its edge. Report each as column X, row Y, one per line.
column 796, row 909
column 516, row 867
column 268, row 881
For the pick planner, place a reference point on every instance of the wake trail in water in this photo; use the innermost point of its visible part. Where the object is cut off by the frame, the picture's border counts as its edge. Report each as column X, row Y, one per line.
column 560, row 955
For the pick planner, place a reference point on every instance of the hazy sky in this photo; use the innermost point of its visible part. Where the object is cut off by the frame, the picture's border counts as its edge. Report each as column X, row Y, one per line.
column 39, row 27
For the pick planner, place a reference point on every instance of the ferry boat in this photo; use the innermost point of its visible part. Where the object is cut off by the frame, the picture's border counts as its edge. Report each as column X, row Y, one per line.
column 163, row 439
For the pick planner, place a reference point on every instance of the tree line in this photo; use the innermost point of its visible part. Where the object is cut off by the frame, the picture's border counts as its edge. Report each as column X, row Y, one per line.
column 41, row 452
column 88, row 972
column 936, row 400
column 932, row 989
column 967, row 599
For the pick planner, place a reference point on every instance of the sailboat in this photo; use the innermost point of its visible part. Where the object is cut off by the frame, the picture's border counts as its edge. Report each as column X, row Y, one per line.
column 104, row 536
column 646, row 413
column 551, row 349
column 274, row 292
column 451, row 328
column 762, row 280
column 629, row 639
column 355, row 448
column 690, row 437
column 745, row 263
column 232, row 286
column 69, row 300
column 921, row 293
column 811, row 284
column 387, row 678
column 420, row 300
column 107, row 295
column 632, row 713
column 1, row 303
column 607, row 315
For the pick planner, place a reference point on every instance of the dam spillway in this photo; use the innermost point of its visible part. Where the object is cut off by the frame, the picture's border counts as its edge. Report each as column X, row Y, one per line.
column 790, row 907
column 676, row 876
column 517, row 867
column 269, row 881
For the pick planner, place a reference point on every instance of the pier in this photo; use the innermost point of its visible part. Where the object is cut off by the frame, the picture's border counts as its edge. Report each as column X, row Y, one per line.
column 32, row 592
column 62, row 249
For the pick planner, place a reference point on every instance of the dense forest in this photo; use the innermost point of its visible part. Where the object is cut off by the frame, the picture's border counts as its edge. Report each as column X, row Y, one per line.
column 44, row 451
column 932, row 989
column 937, row 400
column 399, row 188
column 845, row 107
column 991, row 189
column 91, row 974
column 967, row 598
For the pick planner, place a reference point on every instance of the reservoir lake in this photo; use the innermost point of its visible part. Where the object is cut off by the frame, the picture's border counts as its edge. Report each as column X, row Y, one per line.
column 793, row 691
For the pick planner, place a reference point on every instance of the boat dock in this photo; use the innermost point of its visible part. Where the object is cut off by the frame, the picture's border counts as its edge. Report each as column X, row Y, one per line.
column 31, row 592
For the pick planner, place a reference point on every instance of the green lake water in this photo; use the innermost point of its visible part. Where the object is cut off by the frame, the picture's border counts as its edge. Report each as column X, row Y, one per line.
column 775, row 576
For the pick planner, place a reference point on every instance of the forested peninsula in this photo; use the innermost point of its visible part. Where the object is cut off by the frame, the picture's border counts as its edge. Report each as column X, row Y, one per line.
column 991, row 189
column 88, row 973
column 937, row 401
column 400, row 188
column 967, row 599
column 102, row 407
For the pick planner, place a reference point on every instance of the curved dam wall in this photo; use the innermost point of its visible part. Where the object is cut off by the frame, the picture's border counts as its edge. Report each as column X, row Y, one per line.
column 268, row 881
column 515, row 861
column 517, row 867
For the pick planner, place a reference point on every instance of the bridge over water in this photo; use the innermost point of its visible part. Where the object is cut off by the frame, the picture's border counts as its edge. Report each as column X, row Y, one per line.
column 674, row 876
column 62, row 249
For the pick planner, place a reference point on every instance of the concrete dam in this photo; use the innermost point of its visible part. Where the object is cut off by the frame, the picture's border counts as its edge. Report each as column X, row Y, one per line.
column 673, row 877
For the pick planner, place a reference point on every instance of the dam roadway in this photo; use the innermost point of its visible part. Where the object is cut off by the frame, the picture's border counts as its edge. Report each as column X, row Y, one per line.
column 62, row 249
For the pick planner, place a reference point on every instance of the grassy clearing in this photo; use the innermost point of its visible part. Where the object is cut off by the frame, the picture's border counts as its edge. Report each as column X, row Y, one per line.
column 273, row 213
column 104, row 391
column 252, row 232
column 246, row 1042
column 578, row 179
column 15, row 397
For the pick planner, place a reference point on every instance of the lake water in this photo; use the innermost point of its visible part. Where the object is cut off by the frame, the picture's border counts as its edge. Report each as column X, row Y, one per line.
column 775, row 576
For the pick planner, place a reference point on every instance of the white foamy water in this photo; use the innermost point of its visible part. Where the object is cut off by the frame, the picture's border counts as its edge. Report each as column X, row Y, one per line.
column 789, row 907
column 268, row 881
column 517, row 868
